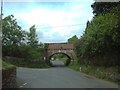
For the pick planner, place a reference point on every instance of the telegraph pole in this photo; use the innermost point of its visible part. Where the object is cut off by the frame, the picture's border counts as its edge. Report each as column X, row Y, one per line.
column 1, row 43
column 1, row 16
column 1, row 13
column 1, row 9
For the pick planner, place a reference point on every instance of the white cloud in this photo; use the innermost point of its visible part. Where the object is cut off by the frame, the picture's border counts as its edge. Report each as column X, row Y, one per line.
column 50, row 21
column 54, row 0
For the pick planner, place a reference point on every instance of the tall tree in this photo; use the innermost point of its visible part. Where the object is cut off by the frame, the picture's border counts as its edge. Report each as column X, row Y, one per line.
column 101, row 41
column 73, row 39
column 103, row 7
column 32, row 37
column 12, row 35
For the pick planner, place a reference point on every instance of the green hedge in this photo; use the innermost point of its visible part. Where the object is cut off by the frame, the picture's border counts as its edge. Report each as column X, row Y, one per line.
column 106, row 73
column 6, row 65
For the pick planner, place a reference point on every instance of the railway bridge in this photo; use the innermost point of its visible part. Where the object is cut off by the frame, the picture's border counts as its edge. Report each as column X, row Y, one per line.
column 56, row 48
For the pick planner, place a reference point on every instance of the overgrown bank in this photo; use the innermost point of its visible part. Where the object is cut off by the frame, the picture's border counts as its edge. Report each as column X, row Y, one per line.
column 18, row 62
column 8, row 75
column 105, row 73
column 6, row 66
column 97, row 50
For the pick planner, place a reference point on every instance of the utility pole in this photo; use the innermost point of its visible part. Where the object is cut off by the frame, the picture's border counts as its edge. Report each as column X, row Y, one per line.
column 1, row 44
column 1, row 9
column 1, row 16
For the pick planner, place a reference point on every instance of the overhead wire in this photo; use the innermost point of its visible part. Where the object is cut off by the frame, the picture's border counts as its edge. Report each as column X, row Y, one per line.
column 64, row 26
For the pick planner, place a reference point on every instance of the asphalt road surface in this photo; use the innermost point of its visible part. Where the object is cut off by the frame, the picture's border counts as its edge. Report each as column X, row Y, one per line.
column 58, row 77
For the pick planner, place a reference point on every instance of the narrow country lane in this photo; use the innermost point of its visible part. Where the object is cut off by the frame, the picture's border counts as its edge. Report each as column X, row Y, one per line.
column 58, row 77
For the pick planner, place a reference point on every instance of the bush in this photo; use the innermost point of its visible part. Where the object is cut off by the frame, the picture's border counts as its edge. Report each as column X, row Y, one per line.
column 100, row 41
column 6, row 65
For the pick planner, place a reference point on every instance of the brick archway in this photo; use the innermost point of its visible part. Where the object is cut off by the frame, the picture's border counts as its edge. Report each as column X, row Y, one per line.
column 68, row 60
column 53, row 48
column 59, row 53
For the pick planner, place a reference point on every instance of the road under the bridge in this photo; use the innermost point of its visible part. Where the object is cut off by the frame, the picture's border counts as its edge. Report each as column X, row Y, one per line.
column 58, row 77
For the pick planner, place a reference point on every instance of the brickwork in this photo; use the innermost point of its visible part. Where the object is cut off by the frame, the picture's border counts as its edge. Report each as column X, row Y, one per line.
column 65, row 48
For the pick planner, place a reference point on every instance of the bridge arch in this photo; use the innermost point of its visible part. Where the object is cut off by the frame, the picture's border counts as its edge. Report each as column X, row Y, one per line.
column 63, row 48
column 68, row 57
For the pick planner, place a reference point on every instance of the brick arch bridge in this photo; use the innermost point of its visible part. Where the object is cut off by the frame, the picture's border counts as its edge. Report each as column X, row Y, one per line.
column 63, row 48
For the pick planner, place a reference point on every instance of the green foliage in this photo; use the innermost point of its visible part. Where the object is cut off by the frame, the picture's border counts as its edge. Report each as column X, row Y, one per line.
column 12, row 35
column 35, row 54
column 98, row 49
column 109, row 73
column 101, row 40
column 102, row 31
column 32, row 37
column 74, row 65
column 26, row 63
column 103, row 7
column 19, row 43
column 73, row 40
column 6, row 65
column 61, row 57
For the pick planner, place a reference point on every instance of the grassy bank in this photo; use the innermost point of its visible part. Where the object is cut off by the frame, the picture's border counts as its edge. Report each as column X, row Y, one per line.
column 25, row 63
column 7, row 65
column 106, row 73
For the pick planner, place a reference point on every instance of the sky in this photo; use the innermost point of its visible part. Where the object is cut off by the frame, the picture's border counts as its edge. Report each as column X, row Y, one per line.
column 55, row 22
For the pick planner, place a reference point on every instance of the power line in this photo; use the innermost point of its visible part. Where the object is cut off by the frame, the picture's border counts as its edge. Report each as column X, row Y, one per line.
column 65, row 26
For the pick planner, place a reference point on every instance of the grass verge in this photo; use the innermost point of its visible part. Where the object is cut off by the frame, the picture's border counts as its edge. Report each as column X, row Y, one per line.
column 7, row 65
column 106, row 73
column 26, row 63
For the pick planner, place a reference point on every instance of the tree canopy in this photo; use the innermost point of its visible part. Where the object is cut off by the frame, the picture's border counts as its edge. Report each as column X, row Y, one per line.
column 19, row 43
column 103, row 7
column 73, row 39
column 100, row 43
